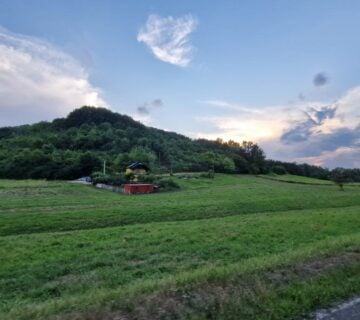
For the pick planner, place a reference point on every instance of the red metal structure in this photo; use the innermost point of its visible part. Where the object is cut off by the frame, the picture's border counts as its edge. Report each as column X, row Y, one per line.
column 138, row 188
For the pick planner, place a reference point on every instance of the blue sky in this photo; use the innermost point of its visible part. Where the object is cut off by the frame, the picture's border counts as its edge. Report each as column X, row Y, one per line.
column 282, row 73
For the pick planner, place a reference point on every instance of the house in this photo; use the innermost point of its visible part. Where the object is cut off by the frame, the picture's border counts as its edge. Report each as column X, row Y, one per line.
column 137, row 169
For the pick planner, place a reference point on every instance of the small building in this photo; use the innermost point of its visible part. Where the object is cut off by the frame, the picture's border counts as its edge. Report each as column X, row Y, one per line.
column 138, row 188
column 137, row 169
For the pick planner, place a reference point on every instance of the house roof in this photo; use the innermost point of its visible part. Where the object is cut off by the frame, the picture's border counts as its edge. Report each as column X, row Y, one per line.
column 138, row 165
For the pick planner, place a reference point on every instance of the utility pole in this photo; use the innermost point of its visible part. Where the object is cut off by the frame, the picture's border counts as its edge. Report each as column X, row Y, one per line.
column 104, row 167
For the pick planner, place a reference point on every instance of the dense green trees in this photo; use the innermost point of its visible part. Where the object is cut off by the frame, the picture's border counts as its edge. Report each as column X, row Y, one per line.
column 77, row 145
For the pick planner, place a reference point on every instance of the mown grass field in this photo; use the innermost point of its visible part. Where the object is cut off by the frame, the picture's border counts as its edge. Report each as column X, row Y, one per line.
column 233, row 247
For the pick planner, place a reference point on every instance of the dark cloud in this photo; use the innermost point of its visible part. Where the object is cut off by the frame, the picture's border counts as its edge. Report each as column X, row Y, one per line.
column 318, row 116
column 343, row 137
column 316, row 144
column 303, row 130
column 300, row 132
column 320, row 79
column 157, row 103
column 147, row 107
column 143, row 109
column 301, row 97
column 305, row 141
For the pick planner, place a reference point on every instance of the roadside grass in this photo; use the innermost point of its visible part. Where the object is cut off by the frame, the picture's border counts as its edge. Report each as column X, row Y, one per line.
column 65, row 206
column 279, row 286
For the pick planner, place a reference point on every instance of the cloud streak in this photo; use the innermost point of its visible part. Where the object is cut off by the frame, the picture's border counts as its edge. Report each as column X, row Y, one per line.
column 39, row 81
column 229, row 106
column 168, row 38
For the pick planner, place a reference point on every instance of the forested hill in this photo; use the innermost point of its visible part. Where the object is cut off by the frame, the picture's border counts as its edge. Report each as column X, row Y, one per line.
column 75, row 146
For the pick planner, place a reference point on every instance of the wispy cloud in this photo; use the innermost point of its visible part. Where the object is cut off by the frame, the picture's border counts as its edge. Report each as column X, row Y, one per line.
column 39, row 81
column 316, row 132
column 168, row 38
column 229, row 105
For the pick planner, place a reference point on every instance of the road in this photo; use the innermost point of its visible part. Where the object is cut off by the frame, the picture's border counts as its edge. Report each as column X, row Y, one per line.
column 349, row 310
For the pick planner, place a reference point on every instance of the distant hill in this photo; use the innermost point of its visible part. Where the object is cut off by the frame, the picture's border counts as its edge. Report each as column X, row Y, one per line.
column 77, row 145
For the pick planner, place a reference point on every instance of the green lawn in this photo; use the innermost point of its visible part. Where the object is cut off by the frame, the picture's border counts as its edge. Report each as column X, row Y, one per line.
column 73, row 251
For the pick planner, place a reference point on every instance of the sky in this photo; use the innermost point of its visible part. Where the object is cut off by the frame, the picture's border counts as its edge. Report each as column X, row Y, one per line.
column 282, row 73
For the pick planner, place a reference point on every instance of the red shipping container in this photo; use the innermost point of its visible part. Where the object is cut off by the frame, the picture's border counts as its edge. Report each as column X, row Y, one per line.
column 138, row 188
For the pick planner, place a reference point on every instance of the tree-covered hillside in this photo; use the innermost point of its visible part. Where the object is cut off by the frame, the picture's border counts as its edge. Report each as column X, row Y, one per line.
column 71, row 147
column 74, row 146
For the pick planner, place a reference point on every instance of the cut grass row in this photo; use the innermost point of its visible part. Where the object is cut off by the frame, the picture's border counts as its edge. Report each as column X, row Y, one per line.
column 297, row 179
column 39, row 268
column 288, row 285
column 65, row 206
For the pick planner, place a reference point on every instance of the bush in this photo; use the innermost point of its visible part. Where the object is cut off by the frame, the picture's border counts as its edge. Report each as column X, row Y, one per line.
column 279, row 170
column 339, row 176
column 113, row 180
column 210, row 174
column 167, row 184
column 148, row 178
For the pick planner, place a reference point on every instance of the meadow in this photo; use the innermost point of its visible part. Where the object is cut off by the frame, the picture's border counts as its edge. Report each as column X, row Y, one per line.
column 233, row 247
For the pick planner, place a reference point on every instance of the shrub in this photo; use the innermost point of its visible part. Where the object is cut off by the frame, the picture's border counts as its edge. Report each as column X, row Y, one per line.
column 339, row 177
column 113, row 180
column 210, row 174
column 279, row 170
column 149, row 178
column 167, row 184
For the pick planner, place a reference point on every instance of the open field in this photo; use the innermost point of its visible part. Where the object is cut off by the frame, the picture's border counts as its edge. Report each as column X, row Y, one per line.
column 54, row 206
column 236, row 247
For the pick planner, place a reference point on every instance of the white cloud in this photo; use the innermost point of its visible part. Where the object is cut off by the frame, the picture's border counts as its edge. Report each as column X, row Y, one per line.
column 39, row 81
column 316, row 132
column 168, row 38
column 246, row 123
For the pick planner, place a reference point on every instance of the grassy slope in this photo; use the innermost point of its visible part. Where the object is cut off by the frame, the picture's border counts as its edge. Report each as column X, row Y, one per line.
column 99, row 268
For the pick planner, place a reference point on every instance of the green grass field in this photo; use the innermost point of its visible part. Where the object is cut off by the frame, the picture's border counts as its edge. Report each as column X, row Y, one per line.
column 233, row 247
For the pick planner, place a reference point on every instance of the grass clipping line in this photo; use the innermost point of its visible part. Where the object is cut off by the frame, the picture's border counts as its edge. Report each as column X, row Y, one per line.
column 124, row 302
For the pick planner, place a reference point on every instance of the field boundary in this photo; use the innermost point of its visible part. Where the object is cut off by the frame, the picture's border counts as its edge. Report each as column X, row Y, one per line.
column 297, row 182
